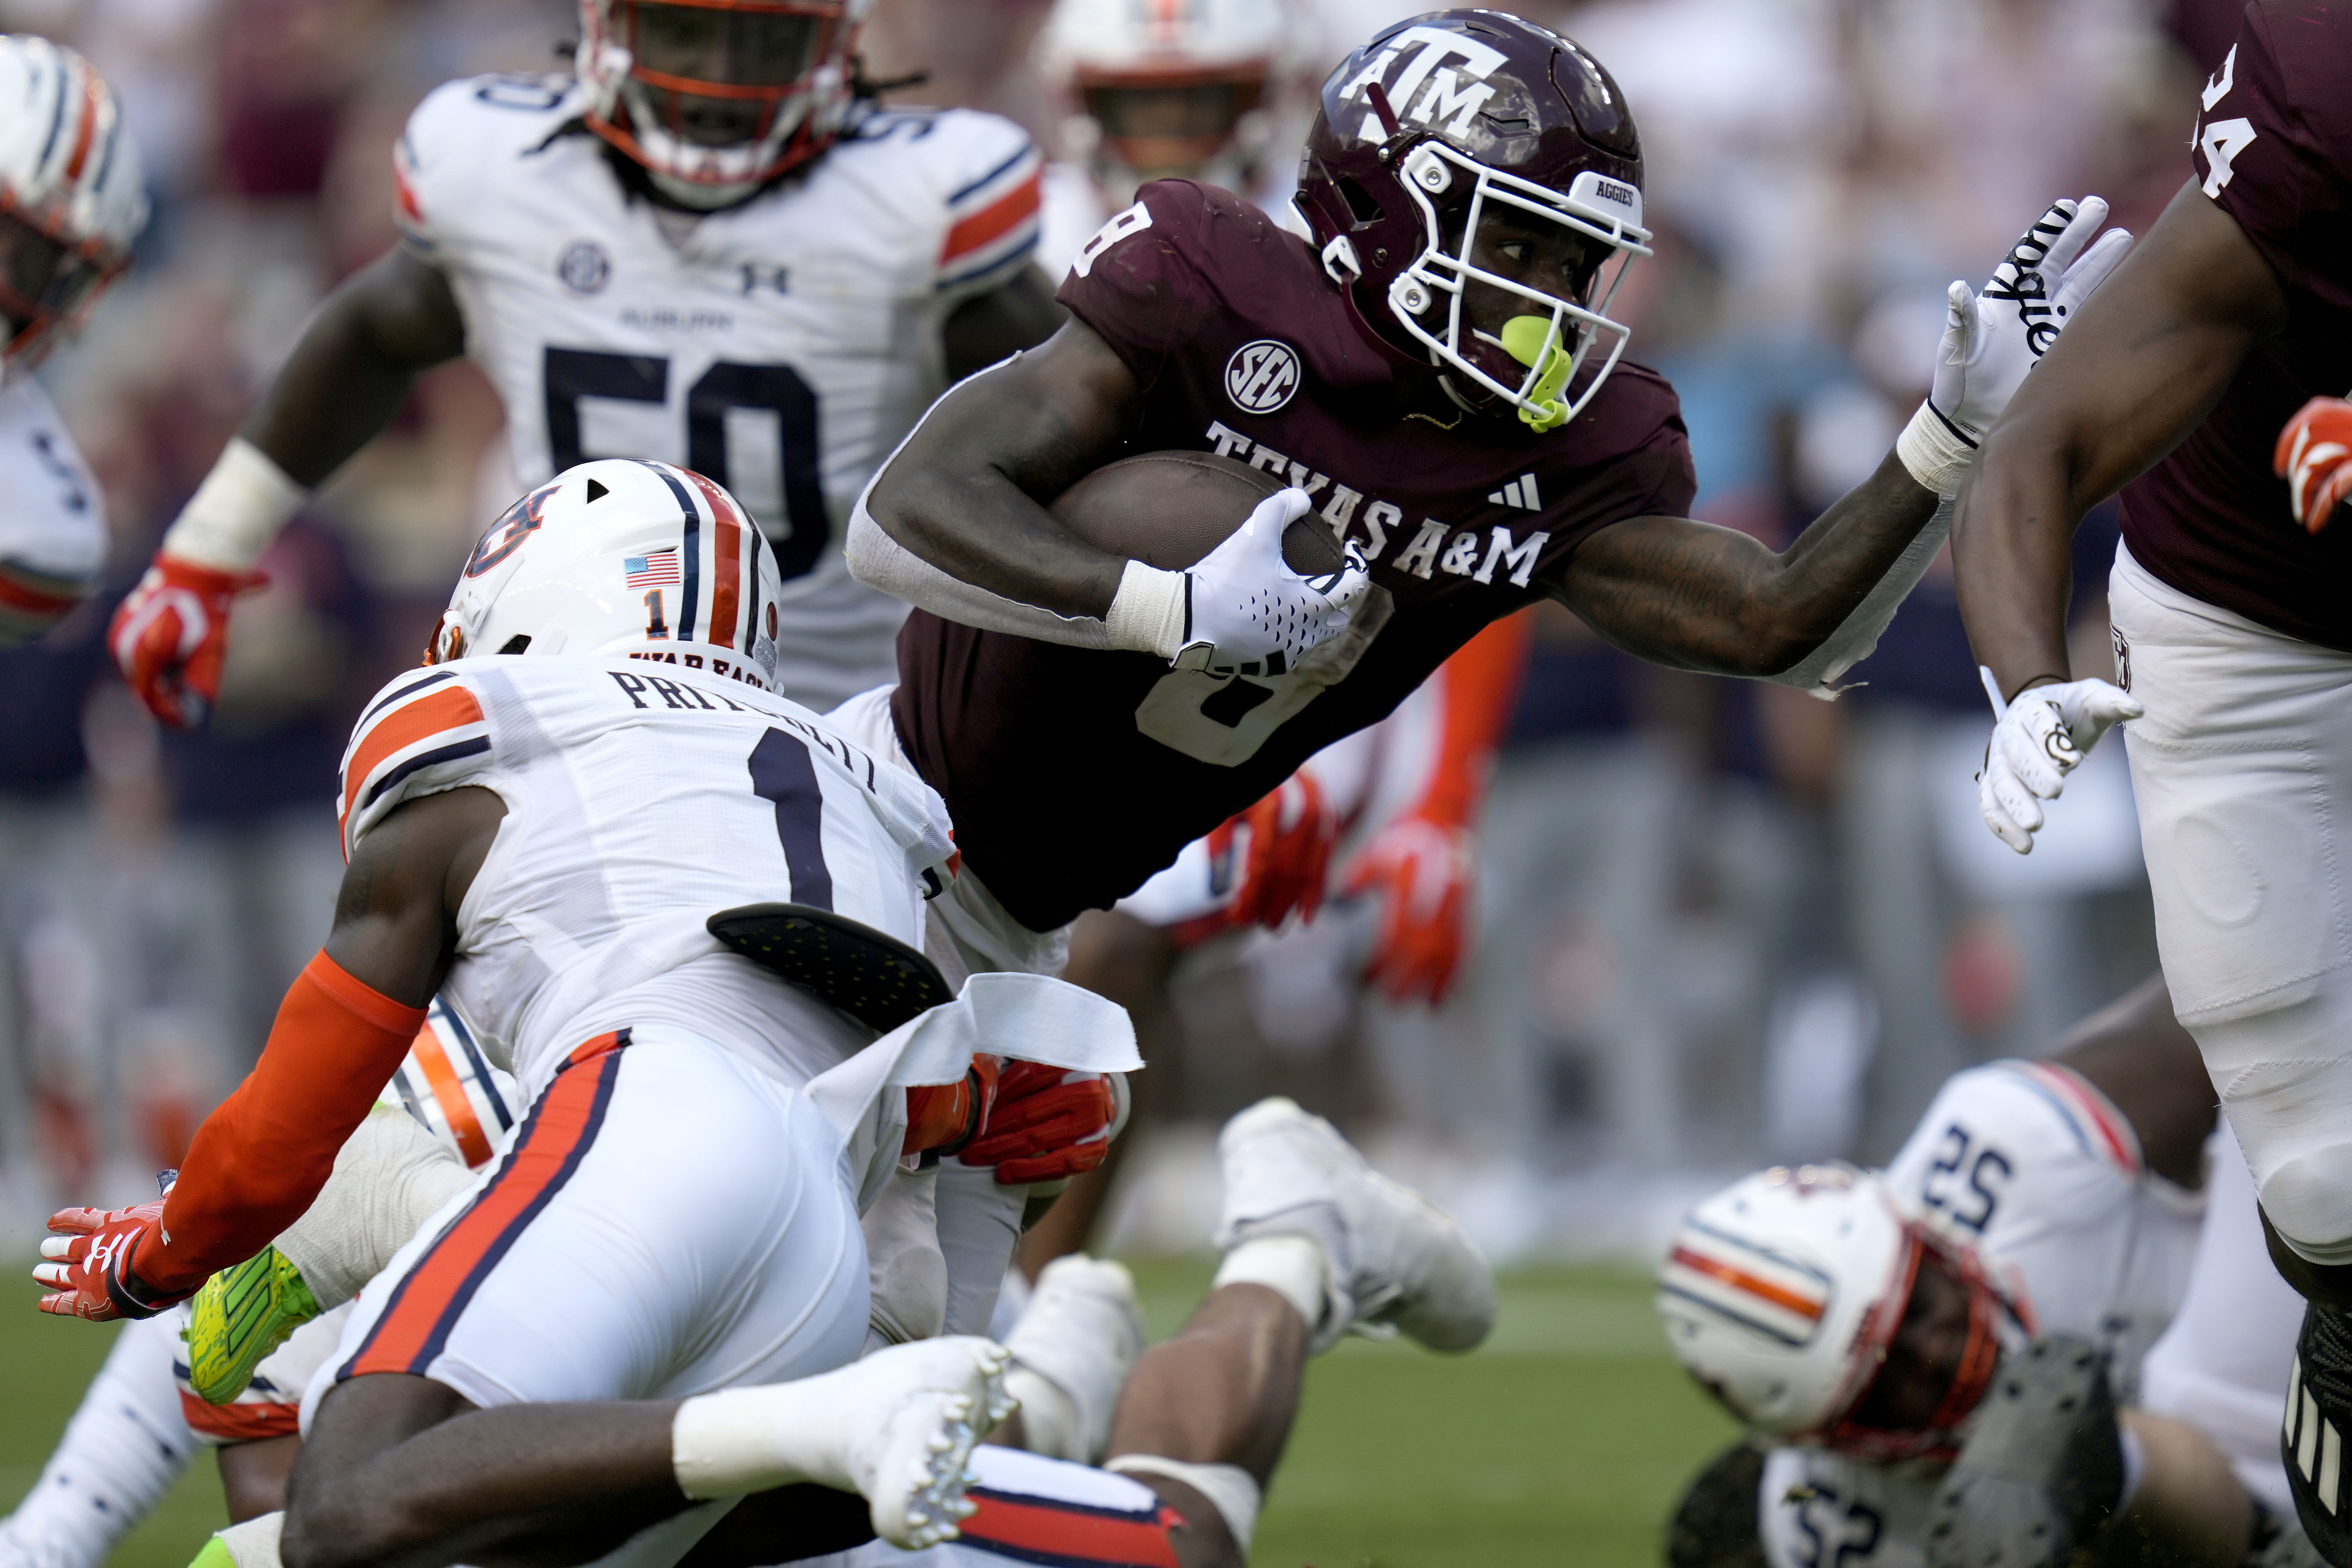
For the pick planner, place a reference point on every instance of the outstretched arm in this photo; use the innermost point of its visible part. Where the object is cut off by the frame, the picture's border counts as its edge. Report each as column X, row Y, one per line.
column 353, row 365
column 346, row 379
column 1694, row 597
column 259, row 1159
column 966, row 493
column 2137, row 369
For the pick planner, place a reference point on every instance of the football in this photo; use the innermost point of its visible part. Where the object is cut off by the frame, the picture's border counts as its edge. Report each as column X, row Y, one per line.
column 1170, row 509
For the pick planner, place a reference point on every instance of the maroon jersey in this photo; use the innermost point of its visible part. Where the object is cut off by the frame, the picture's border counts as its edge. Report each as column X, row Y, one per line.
column 2273, row 150
column 1075, row 774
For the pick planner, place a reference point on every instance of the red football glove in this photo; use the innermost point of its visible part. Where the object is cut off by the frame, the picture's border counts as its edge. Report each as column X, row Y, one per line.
column 1289, row 856
column 1049, row 1123
column 89, row 1264
column 2314, row 454
column 170, row 635
column 1423, row 871
column 948, row 1116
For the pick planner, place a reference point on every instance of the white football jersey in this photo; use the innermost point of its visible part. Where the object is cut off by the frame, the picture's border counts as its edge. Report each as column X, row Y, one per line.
column 641, row 799
column 1035, row 1510
column 53, row 528
column 2034, row 1167
column 783, row 347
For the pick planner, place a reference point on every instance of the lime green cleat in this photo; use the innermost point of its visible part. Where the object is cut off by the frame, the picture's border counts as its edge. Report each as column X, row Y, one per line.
column 239, row 1317
column 215, row 1553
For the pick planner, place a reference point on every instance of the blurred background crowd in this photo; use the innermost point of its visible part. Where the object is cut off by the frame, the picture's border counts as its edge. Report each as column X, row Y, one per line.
column 1718, row 923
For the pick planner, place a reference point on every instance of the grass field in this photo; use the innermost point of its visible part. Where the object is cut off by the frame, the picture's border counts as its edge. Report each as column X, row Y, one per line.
column 1561, row 1443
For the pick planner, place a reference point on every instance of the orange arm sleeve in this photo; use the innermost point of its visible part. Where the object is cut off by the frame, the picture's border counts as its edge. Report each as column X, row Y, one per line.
column 259, row 1159
column 1478, row 687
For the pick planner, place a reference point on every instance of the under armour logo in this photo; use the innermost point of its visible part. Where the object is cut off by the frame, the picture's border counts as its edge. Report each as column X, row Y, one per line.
column 2318, row 1447
column 1520, row 492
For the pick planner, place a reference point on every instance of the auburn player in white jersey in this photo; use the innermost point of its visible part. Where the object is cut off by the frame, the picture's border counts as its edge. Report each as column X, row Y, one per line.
column 558, row 834
column 707, row 246
column 136, row 1432
column 1934, row 1356
column 71, row 203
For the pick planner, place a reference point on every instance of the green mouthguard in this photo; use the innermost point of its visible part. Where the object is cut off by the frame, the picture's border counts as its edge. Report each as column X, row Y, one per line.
column 1534, row 341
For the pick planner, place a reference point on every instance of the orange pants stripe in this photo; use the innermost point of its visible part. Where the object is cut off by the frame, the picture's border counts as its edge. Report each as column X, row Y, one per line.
column 428, row 1302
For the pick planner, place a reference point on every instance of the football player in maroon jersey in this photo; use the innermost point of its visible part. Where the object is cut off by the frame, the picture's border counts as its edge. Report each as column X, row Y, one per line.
column 2233, row 639
column 1438, row 376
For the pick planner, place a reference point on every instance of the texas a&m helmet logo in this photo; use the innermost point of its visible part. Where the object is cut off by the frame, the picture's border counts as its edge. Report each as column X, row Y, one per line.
column 1262, row 375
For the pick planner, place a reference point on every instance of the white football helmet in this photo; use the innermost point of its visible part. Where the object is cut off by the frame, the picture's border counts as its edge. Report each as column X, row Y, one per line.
column 1167, row 86
column 70, row 179
column 1783, row 1292
column 715, row 98
column 620, row 557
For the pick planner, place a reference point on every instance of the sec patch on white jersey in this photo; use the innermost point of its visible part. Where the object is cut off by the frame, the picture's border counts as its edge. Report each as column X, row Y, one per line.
column 781, row 347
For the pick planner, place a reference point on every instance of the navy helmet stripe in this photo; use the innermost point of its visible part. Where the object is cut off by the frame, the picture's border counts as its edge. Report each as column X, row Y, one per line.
column 691, row 555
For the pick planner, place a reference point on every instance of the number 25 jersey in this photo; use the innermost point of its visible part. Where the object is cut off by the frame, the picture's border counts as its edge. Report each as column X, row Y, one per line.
column 781, row 347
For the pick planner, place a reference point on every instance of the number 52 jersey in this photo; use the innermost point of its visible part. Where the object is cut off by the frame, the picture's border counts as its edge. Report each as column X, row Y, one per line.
column 781, row 347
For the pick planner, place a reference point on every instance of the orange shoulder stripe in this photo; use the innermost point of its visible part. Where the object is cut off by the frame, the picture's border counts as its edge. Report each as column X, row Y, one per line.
column 404, row 727
column 995, row 220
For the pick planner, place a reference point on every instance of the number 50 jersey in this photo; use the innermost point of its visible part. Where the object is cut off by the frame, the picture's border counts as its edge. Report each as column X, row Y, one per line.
column 781, row 347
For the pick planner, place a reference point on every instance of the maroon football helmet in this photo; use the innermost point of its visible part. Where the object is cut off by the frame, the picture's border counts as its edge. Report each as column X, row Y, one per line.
column 1464, row 124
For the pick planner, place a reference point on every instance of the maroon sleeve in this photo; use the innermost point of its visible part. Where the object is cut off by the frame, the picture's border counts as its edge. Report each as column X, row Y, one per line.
column 2273, row 142
column 1138, row 282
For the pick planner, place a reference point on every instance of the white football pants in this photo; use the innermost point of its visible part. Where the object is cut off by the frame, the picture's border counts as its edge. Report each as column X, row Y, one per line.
column 2242, row 766
column 2222, row 1364
column 668, row 1221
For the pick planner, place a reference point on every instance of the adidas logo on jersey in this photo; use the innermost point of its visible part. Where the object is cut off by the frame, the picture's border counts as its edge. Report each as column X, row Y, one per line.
column 1520, row 492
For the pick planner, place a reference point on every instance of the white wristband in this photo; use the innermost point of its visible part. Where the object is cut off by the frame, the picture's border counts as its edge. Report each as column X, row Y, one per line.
column 236, row 513
column 1149, row 612
column 1933, row 450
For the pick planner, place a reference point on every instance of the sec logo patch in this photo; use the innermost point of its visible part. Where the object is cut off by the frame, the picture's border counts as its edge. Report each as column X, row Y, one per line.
column 583, row 267
column 1262, row 377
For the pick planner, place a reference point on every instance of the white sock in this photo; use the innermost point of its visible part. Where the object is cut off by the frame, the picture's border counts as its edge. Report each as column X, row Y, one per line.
column 254, row 1543
column 118, row 1456
column 1233, row 1490
column 1292, row 1267
column 743, row 1440
column 390, row 1176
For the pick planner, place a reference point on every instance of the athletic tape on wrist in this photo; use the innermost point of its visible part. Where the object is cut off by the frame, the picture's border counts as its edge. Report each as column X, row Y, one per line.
column 236, row 513
column 1232, row 1490
column 1933, row 450
column 1149, row 612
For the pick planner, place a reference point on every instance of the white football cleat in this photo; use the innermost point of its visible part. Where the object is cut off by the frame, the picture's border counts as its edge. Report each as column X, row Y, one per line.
column 911, row 1415
column 1082, row 1329
column 1392, row 1257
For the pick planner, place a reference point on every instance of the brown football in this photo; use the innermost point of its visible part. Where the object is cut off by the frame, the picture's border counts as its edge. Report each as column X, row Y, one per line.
column 1170, row 509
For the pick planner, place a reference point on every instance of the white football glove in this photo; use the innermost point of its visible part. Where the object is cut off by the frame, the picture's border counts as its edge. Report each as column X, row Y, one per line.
column 2037, row 741
column 1990, row 339
column 1246, row 609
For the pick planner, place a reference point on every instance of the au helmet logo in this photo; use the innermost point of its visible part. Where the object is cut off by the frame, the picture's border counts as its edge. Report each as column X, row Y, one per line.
column 1262, row 377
